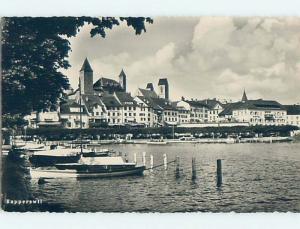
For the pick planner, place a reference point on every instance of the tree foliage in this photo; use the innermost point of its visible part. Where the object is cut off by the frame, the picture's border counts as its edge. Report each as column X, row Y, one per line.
column 33, row 51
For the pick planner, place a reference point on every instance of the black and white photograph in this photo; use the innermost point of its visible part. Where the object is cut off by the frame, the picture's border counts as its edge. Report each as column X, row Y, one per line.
column 150, row 114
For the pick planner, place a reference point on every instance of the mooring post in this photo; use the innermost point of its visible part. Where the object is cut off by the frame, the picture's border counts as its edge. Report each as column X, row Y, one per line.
column 219, row 172
column 177, row 170
column 151, row 161
column 194, row 175
column 165, row 162
column 134, row 158
column 144, row 158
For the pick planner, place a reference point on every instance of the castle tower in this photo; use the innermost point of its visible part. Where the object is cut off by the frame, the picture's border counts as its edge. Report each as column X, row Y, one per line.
column 86, row 78
column 163, row 88
column 122, row 80
column 244, row 98
column 150, row 87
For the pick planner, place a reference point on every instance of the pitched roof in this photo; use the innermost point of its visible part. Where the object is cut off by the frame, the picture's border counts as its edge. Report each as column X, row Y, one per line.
column 86, row 66
column 292, row 109
column 258, row 104
column 164, row 104
column 122, row 73
column 229, row 107
column 163, row 81
column 197, row 103
column 211, row 103
column 110, row 101
column 91, row 101
column 261, row 104
column 104, row 83
column 148, row 93
column 150, row 86
column 125, row 99
column 244, row 98
column 65, row 107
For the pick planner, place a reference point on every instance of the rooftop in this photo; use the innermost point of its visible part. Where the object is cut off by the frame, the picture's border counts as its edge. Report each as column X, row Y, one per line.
column 86, row 66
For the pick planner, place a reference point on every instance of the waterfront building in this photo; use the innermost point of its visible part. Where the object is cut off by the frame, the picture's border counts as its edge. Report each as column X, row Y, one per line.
column 145, row 112
column 259, row 112
column 43, row 119
column 128, row 108
column 184, row 111
column 214, row 109
column 96, row 110
column 70, row 115
column 114, row 110
column 293, row 115
column 198, row 111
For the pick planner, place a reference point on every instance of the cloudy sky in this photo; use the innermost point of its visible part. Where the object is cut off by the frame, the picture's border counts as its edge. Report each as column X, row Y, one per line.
column 207, row 57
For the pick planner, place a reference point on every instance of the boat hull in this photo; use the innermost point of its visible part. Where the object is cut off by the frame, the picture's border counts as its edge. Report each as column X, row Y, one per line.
column 55, row 173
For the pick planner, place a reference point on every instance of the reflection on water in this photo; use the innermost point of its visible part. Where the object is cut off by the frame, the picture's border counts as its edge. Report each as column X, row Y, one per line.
column 256, row 177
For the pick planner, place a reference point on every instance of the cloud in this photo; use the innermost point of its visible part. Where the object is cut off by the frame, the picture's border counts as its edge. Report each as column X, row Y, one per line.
column 211, row 57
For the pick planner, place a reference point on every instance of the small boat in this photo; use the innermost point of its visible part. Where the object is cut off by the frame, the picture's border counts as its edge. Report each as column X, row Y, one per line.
column 157, row 142
column 100, row 167
column 54, row 156
column 96, row 153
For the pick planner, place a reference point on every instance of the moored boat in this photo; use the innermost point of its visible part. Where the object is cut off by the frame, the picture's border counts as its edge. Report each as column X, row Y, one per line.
column 101, row 167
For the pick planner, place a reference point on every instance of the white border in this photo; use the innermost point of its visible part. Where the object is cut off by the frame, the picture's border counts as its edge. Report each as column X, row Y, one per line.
column 149, row 8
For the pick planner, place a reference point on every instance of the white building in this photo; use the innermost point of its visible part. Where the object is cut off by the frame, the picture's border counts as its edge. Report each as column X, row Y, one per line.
column 260, row 112
column 293, row 115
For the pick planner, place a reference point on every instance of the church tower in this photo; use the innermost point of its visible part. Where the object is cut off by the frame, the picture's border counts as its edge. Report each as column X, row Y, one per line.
column 163, row 88
column 122, row 80
column 86, row 78
column 244, row 98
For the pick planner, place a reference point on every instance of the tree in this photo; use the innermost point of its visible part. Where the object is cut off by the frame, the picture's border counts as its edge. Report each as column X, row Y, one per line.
column 33, row 51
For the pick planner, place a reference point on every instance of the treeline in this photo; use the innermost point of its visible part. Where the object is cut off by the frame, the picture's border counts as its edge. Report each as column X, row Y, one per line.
column 166, row 132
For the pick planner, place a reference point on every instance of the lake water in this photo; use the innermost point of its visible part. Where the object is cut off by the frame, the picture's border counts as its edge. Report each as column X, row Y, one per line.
column 256, row 178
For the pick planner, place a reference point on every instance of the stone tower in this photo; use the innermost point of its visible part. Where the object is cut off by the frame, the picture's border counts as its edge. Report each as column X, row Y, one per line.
column 122, row 80
column 163, row 88
column 86, row 78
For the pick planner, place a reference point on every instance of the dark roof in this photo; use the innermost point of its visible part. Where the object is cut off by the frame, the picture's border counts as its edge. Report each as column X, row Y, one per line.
column 148, row 93
column 261, row 104
column 150, row 86
column 110, row 101
column 122, row 73
column 65, row 107
column 86, row 66
column 244, row 98
column 91, row 101
column 292, row 109
column 164, row 104
column 211, row 103
column 163, row 81
column 197, row 103
column 125, row 99
column 229, row 107
column 251, row 104
column 104, row 82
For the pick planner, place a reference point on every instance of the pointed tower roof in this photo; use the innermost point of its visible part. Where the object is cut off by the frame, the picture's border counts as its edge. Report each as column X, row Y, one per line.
column 86, row 66
column 122, row 73
column 244, row 98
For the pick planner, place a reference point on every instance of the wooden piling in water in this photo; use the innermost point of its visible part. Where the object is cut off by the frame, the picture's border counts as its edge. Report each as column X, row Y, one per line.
column 165, row 162
column 134, row 158
column 144, row 158
column 219, row 172
column 177, row 170
column 194, row 174
column 151, row 161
